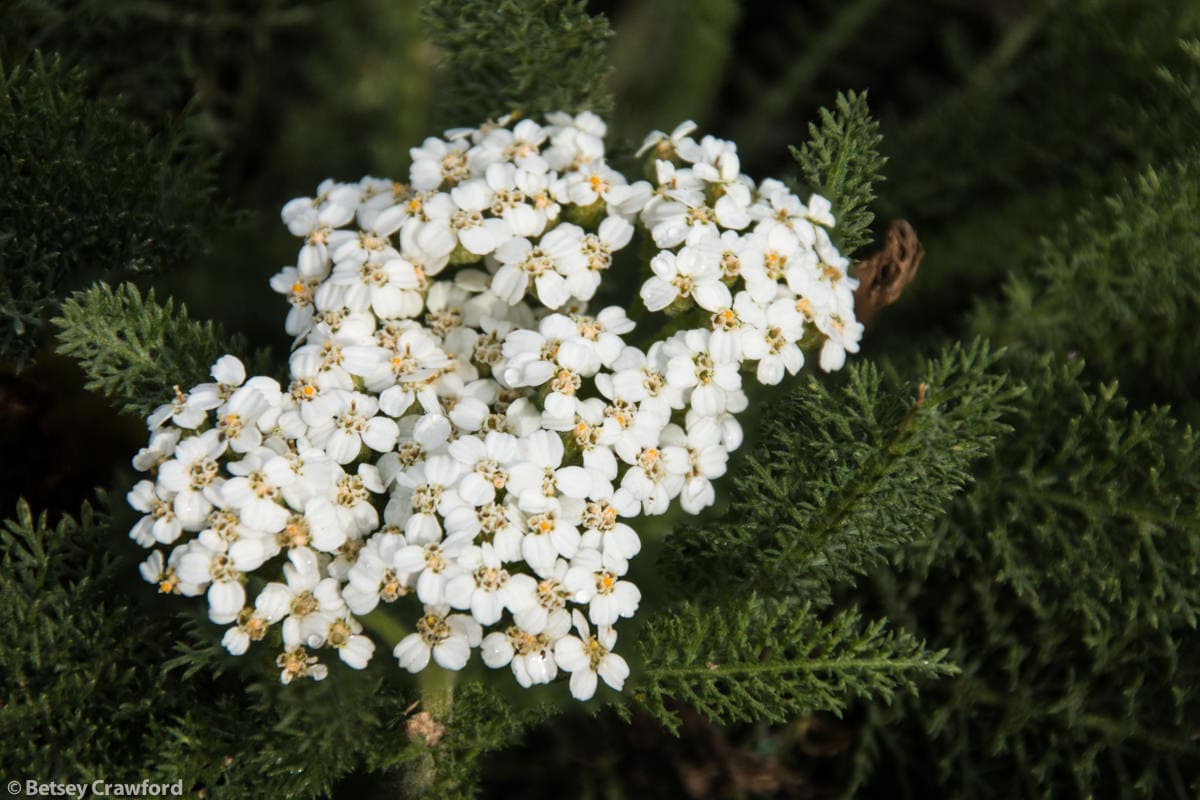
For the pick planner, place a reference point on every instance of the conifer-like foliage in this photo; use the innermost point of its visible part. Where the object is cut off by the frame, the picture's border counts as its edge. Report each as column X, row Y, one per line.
column 1099, row 290
column 66, row 641
column 1065, row 585
column 530, row 56
column 131, row 347
column 85, row 194
column 844, row 476
column 766, row 659
column 841, row 161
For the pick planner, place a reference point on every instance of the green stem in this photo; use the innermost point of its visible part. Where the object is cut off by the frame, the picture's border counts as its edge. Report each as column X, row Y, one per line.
column 437, row 700
column 437, row 692
column 381, row 623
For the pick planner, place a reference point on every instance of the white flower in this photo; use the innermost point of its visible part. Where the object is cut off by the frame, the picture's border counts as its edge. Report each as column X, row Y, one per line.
column 520, row 145
column 250, row 627
column 178, row 412
column 374, row 576
column 436, row 161
column 344, row 634
column 160, row 523
column 551, row 532
column 556, row 257
column 771, row 340
column 435, row 565
column 295, row 662
column 664, row 145
column 465, row 219
column 299, row 291
column 779, row 208
column 346, row 511
column 162, row 445
column 706, row 458
column 596, row 580
column 692, row 365
column 486, row 588
column 342, row 422
column 194, row 476
column 166, row 575
column 843, row 337
column 260, row 479
column 229, row 373
column 530, row 654
column 693, row 272
column 418, row 497
column 486, row 462
column 604, row 532
column 539, row 475
column 306, row 603
column 509, row 199
column 390, row 288
column 226, row 596
column 587, row 657
column 448, row 637
column 238, row 418
column 499, row 525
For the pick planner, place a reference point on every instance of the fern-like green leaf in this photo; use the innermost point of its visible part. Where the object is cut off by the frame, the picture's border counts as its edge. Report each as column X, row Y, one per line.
column 134, row 349
column 841, row 161
column 843, row 477
column 751, row 659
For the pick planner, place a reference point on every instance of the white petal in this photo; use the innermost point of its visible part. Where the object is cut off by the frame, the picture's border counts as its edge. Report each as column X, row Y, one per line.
column 453, row 653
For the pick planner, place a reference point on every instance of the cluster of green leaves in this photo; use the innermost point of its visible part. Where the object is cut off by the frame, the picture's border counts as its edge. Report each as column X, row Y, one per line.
column 65, row 640
column 1066, row 581
column 162, row 57
column 843, row 476
column 134, row 349
column 530, row 56
column 85, row 194
column 1117, row 286
column 840, row 480
column 1033, row 133
column 1066, row 585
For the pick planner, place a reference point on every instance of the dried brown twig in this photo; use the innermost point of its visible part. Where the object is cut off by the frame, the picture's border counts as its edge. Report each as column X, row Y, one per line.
column 884, row 275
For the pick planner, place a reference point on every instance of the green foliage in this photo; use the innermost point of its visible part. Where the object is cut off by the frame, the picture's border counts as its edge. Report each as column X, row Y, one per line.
column 1071, row 132
column 218, row 60
column 531, row 56
column 135, row 349
column 65, row 640
column 841, row 162
column 843, row 477
column 88, row 689
column 751, row 659
column 84, row 194
column 1066, row 584
column 1118, row 287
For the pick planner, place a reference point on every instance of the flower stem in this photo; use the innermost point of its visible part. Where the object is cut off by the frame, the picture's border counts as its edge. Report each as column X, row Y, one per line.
column 381, row 623
column 429, row 725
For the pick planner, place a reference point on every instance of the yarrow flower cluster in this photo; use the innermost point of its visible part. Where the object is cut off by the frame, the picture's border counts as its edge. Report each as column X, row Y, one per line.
column 459, row 434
